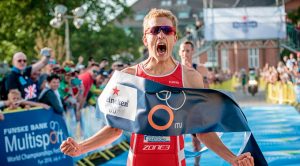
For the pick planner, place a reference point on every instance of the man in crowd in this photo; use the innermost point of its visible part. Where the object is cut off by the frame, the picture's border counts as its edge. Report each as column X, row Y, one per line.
column 87, row 78
column 159, row 36
column 19, row 78
column 50, row 95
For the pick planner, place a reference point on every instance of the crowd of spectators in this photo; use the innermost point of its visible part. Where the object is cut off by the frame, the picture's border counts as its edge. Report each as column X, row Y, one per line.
column 46, row 83
column 286, row 71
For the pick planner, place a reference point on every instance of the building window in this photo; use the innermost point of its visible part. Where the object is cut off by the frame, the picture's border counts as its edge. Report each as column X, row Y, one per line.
column 212, row 59
column 166, row 3
column 183, row 14
column 224, row 58
column 181, row 2
column 253, row 58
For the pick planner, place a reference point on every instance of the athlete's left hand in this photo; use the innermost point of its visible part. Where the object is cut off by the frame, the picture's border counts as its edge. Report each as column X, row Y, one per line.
column 244, row 159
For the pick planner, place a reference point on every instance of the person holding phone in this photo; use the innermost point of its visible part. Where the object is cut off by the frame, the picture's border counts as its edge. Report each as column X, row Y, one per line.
column 19, row 78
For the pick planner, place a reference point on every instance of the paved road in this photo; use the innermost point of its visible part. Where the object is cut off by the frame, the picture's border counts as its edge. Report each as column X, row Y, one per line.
column 247, row 100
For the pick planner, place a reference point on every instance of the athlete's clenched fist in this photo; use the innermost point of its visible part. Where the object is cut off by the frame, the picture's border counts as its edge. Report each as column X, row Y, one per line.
column 70, row 147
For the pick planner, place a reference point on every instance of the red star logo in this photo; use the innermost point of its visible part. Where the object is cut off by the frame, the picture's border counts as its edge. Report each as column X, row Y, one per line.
column 244, row 18
column 116, row 91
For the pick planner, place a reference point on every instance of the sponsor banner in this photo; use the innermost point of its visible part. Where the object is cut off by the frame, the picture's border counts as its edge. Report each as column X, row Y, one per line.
column 32, row 138
column 251, row 23
column 148, row 138
column 166, row 111
column 119, row 100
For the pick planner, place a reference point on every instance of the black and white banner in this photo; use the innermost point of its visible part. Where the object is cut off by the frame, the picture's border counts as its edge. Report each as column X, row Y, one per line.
column 142, row 106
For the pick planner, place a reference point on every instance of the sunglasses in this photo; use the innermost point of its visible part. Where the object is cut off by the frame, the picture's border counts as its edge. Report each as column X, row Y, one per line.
column 22, row 60
column 167, row 30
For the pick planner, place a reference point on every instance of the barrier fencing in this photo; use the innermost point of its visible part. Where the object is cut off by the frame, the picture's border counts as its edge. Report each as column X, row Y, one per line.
column 280, row 93
column 228, row 85
column 91, row 123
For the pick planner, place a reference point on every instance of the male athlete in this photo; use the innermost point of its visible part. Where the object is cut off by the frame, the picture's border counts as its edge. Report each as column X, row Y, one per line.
column 186, row 51
column 159, row 37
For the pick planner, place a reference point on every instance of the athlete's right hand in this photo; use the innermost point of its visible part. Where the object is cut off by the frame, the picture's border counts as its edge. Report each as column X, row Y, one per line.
column 70, row 147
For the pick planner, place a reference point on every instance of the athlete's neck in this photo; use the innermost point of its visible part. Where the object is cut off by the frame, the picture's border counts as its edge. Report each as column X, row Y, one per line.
column 155, row 67
column 187, row 62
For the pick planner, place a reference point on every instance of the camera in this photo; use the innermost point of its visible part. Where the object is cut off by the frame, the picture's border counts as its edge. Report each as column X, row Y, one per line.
column 45, row 52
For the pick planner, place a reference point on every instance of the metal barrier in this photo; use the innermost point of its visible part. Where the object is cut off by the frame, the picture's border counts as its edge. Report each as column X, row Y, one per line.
column 280, row 93
column 229, row 85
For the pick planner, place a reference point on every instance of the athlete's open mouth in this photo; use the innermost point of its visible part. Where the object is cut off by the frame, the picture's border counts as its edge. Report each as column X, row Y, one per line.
column 161, row 48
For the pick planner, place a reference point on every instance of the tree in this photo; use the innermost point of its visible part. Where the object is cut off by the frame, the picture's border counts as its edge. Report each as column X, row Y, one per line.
column 110, row 40
column 22, row 21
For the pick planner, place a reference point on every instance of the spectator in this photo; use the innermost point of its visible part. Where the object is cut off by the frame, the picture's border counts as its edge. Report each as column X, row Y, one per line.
column 90, row 61
column 71, row 90
column 50, row 94
column 285, row 59
column 290, row 61
column 244, row 79
column 96, row 89
column 102, row 65
column 35, row 79
column 19, row 78
column 17, row 103
column 298, row 59
column 88, row 78
column 48, row 70
column 79, row 65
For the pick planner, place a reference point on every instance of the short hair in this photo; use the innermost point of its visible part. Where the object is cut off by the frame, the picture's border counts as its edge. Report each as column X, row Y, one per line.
column 189, row 42
column 90, row 58
column 52, row 77
column 154, row 13
column 95, row 64
column 14, row 92
column 104, row 59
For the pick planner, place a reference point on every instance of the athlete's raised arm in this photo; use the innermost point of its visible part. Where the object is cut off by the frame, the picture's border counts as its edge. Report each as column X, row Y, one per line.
column 103, row 137
column 193, row 79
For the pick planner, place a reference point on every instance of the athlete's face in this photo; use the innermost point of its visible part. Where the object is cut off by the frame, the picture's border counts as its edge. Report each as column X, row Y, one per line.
column 186, row 52
column 160, row 37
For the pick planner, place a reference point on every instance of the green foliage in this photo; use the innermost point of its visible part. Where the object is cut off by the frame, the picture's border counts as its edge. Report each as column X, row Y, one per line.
column 110, row 40
column 22, row 22
column 294, row 16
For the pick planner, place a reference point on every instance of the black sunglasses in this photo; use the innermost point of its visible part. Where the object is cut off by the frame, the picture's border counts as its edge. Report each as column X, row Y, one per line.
column 167, row 30
column 22, row 60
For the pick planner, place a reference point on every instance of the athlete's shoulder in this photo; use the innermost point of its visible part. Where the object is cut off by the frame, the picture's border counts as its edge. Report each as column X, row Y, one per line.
column 130, row 70
column 192, row 78
column 190, row 71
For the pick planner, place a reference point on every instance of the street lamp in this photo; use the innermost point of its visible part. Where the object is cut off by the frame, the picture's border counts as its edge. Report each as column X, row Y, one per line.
column 61, row 17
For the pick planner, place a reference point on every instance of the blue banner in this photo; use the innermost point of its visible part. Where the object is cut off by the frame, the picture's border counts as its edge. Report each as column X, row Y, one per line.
column 33, row 138
column 142, row 106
